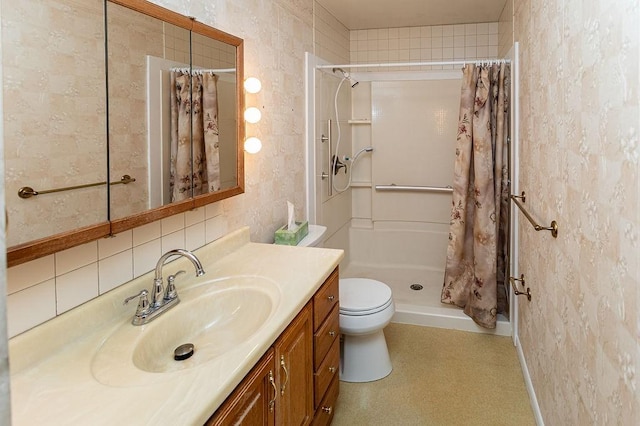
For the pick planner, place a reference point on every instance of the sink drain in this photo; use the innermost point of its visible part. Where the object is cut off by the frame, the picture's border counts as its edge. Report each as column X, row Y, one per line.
column 183, row 352
column 416, row 287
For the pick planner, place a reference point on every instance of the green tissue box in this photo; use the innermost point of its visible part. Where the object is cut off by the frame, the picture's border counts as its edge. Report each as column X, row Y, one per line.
column 287, row 237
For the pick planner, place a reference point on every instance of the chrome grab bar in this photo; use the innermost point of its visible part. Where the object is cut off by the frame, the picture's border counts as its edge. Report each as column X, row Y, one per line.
column 414, row 188
column 28, row 192
column 553, row 227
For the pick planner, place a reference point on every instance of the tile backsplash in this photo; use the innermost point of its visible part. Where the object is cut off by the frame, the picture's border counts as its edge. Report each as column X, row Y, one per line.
column 43, row 288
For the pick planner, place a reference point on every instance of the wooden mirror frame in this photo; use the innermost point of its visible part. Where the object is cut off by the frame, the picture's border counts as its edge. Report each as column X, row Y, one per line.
column 32, row 250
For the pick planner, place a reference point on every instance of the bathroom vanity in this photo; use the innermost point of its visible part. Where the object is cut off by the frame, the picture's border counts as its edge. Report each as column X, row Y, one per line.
column 297, row 379
column 273, row 358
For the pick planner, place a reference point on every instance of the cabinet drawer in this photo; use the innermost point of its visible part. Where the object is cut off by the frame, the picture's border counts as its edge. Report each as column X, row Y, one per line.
column 325, row 299
column 326, row 334
column 327, row 371
column 324, row 413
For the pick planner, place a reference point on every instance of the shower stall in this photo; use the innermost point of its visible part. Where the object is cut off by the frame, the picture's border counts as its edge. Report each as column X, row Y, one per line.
column 393, row 219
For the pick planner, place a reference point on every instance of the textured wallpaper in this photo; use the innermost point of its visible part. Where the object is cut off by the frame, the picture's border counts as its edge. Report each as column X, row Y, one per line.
column 579, row 129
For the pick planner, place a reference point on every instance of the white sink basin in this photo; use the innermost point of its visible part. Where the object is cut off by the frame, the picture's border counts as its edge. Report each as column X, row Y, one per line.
column 216, row 316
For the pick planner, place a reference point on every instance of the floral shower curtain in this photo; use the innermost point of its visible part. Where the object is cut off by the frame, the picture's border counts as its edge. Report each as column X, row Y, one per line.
column 475, row 269
column 195, row 159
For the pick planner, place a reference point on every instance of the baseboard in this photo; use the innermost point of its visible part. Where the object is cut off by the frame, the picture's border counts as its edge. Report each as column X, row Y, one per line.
column 529, row 384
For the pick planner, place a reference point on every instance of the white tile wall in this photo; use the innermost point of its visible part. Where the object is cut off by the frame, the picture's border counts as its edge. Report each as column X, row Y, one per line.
column 29, row 274
column 420, row 44
column 115, row 270
column 76, row 257
column 41, row 289
column 31, row 306
column 76, row 287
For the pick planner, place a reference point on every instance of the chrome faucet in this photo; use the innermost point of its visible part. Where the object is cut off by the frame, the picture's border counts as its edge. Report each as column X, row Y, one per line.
column 161, row 300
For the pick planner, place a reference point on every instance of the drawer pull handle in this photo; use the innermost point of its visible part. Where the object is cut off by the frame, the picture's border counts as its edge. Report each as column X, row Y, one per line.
column 286, row 375
column 330, row 298
column 332, row 333
column 272, row 403
column 332, row 370
column 327, row 410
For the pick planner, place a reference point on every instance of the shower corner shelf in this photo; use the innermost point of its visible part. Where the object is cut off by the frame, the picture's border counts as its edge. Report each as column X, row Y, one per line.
column 359, row 121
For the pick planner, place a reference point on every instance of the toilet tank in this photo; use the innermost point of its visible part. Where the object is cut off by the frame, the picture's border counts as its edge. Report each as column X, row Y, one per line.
column 315, row 237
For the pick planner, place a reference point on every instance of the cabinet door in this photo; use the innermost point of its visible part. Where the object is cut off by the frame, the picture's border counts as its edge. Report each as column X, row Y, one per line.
column 252, row 403
column 294, row 358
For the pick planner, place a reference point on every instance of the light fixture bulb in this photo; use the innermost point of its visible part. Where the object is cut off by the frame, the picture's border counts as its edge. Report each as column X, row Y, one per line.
column 252, row 115
column 252, row 85
column 252, row 145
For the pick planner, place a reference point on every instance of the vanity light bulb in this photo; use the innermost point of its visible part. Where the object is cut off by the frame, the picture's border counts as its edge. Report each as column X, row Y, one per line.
column 252, row 145
column 252, row 115
column 252, row 85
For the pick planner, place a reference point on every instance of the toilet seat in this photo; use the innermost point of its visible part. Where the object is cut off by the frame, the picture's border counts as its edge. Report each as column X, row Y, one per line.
column 363, row 296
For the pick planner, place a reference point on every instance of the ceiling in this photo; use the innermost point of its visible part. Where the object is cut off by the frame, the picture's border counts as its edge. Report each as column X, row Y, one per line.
column 368, row 14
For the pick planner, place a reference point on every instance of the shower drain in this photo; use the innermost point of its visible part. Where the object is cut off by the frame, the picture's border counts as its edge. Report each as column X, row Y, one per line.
column 416, row 287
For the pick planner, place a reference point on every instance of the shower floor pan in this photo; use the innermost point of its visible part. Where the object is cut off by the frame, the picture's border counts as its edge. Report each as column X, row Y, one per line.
column 421, row 307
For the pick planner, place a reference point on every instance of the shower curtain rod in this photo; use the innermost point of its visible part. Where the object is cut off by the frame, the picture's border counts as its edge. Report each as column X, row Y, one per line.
column 414, row 64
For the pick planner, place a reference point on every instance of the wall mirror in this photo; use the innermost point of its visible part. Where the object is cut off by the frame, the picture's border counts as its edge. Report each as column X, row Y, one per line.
column 134, row 111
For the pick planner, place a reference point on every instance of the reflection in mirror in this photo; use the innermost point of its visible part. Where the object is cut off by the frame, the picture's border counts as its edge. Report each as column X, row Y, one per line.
column 219, row 61
column 141, row 52
column 172, row 112
column 54, row 115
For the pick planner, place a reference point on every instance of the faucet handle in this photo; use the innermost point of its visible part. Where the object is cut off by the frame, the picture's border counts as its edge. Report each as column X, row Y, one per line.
column 171, row 292
column 143, row 304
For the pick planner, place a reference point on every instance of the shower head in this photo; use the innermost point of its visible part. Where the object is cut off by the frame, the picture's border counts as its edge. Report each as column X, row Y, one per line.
column 363, row 150
column 347, row 76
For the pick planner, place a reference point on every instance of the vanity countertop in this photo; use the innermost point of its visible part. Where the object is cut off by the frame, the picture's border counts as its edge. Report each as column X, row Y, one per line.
column 52, row 380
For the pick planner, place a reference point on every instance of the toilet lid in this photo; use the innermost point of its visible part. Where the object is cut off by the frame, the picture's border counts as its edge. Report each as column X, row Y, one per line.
column 358, row 295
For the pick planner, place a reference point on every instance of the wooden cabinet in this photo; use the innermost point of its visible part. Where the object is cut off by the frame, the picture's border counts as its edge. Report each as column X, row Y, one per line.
column 294, row 355
column 296, row 381
column 326, row 337
column 253, row 400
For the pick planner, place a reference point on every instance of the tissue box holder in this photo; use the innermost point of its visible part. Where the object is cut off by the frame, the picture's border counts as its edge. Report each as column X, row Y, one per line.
column 291, row 238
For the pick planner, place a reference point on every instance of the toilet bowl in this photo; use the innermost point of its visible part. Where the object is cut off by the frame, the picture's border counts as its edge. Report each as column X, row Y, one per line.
column 366, row 307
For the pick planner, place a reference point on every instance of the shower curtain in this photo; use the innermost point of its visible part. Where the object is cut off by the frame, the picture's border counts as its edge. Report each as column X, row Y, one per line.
column 195, row 159
column 475, row 270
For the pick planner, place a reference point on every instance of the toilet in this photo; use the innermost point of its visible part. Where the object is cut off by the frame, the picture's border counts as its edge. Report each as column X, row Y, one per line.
column 366, row 307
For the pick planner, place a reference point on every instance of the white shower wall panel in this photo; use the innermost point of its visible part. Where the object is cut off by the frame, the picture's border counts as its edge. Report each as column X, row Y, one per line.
column 401, row 244
column 333, row 209
column 414, row 127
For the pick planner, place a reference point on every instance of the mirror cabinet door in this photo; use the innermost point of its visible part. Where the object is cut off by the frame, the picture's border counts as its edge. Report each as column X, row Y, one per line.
column 54, row 105
column 149, row 112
